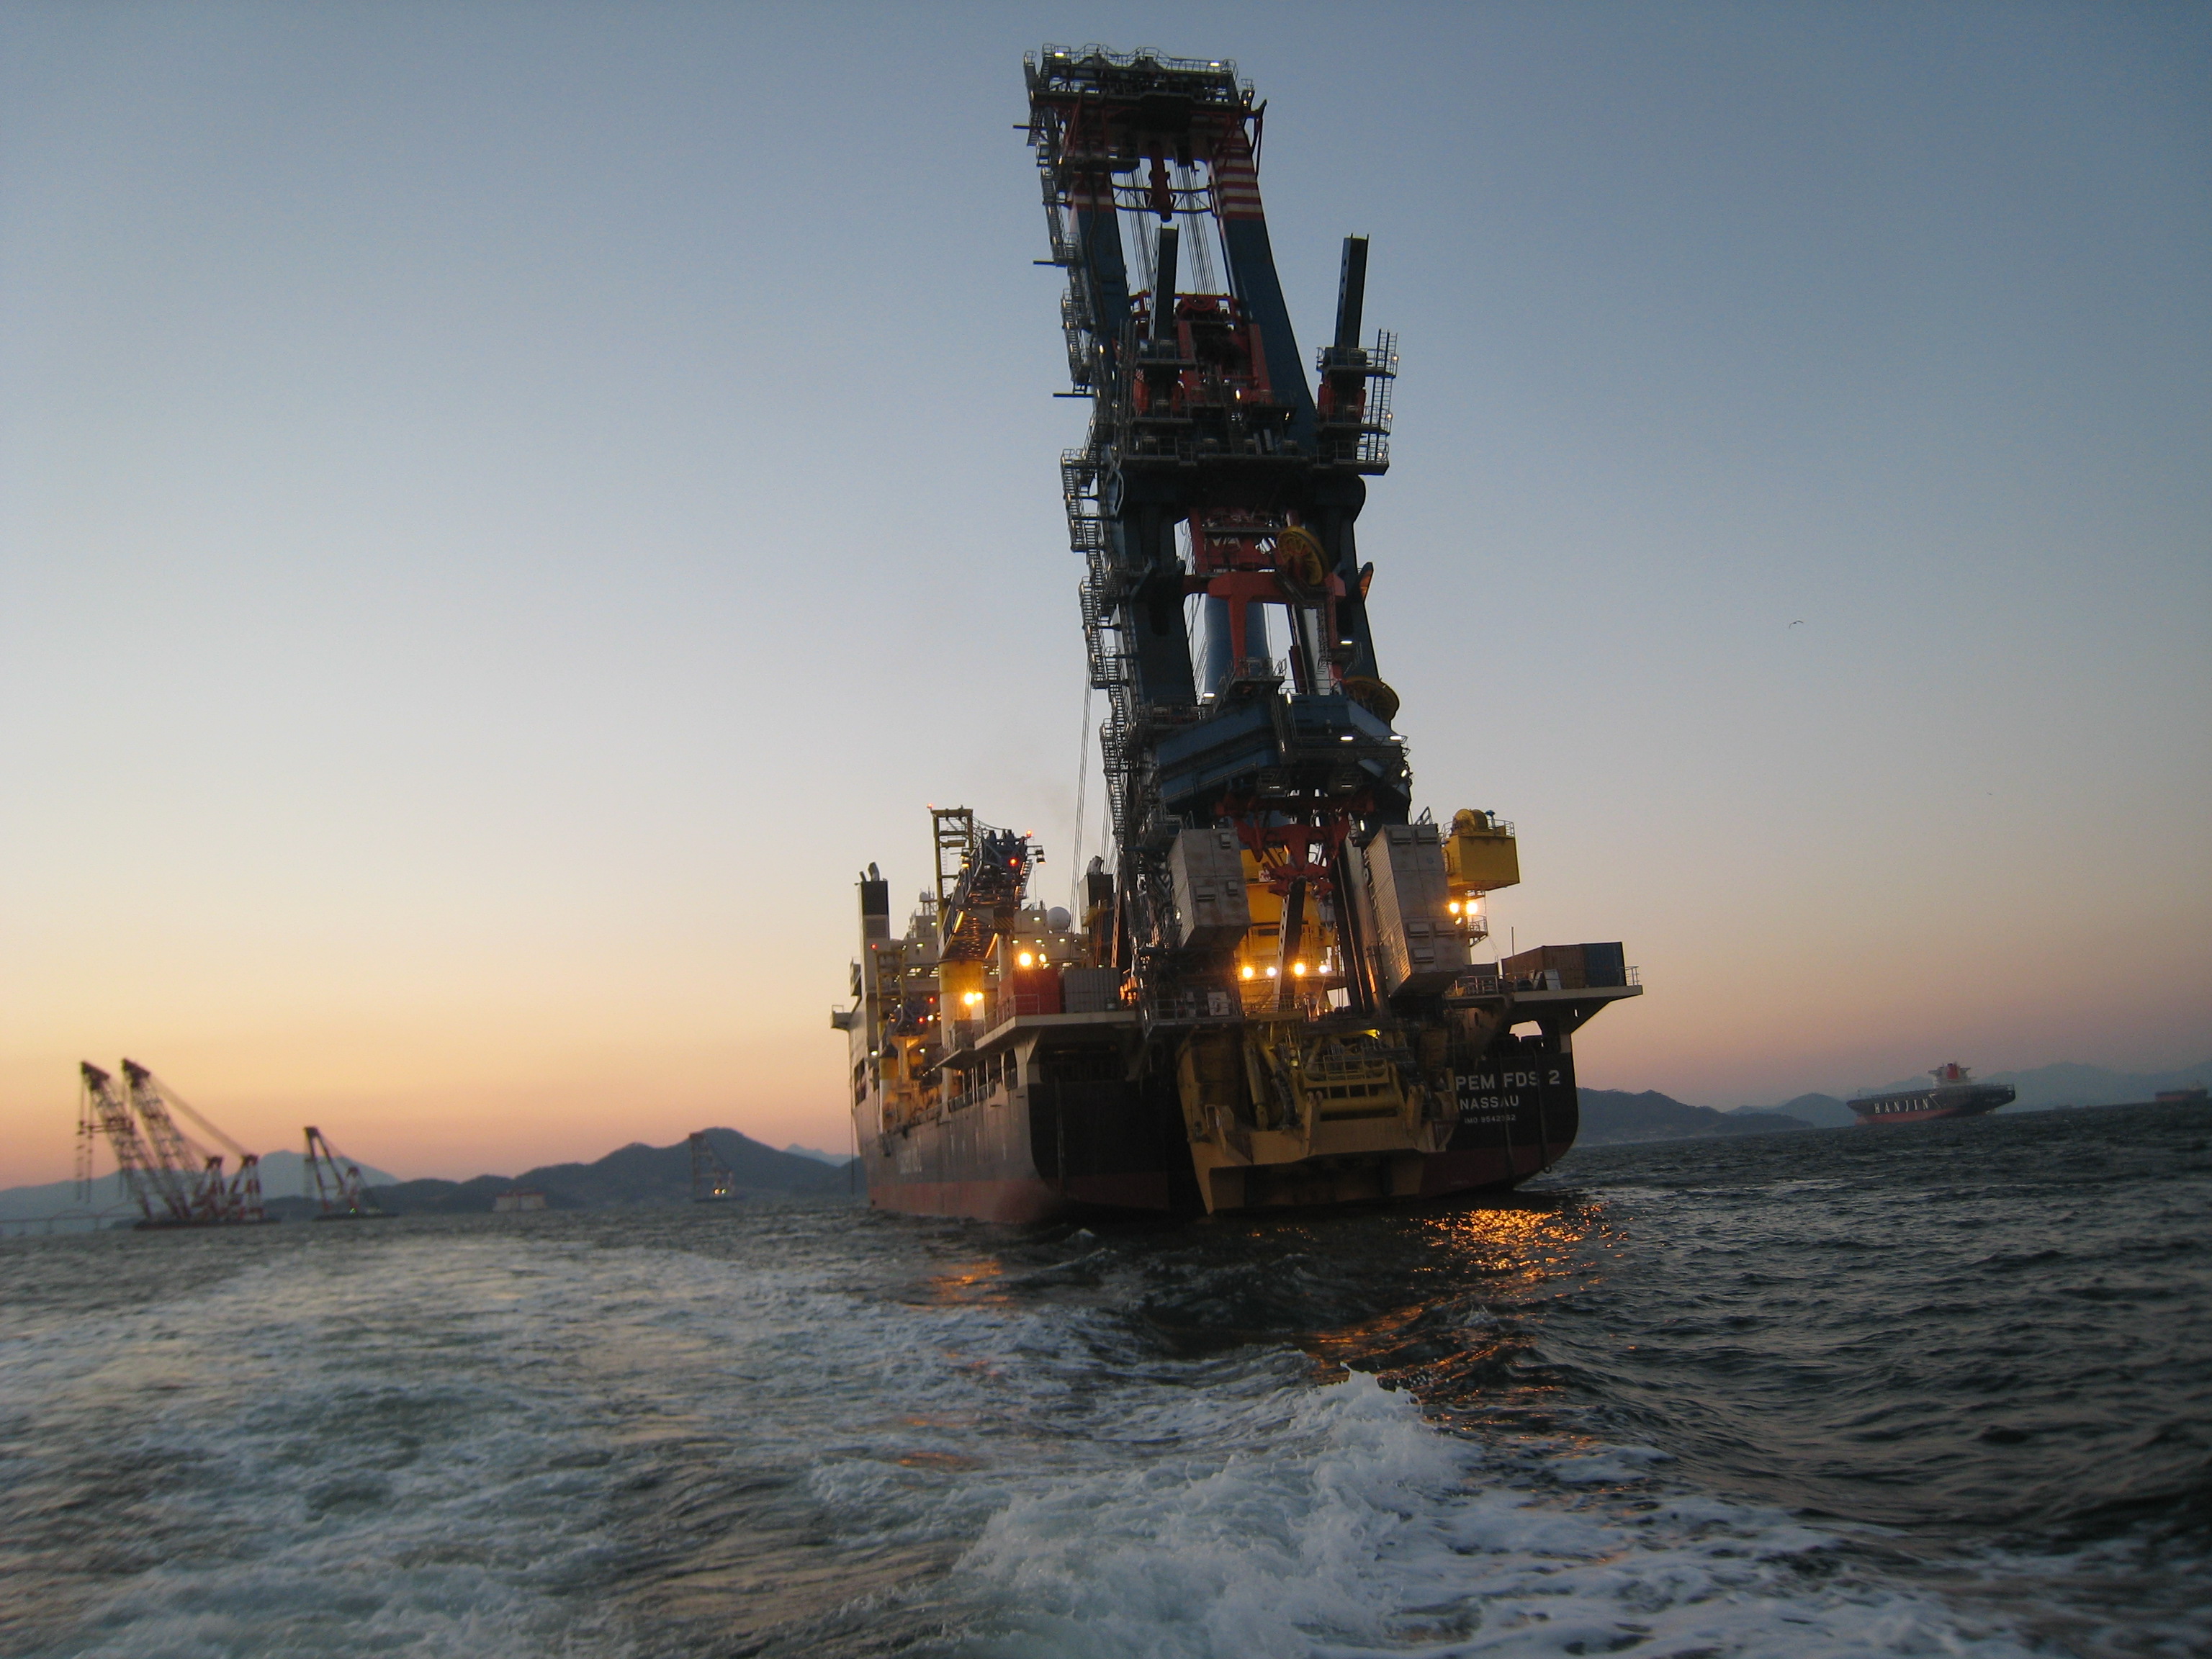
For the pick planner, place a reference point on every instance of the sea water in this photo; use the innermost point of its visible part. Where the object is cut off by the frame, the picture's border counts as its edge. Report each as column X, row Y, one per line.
column 1942, row 1388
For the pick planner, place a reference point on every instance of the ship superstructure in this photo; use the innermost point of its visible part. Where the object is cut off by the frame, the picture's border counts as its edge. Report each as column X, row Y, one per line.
column 1274, row 994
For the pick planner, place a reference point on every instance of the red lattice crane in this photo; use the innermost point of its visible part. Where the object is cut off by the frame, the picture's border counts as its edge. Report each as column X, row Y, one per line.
column 175, row 1181
column 338, row 1183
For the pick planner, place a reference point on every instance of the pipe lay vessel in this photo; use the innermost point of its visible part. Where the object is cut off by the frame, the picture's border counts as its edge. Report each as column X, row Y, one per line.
column 1273, row 997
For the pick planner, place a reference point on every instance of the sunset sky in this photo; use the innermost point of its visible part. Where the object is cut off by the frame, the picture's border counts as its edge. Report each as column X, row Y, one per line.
column 505, row 508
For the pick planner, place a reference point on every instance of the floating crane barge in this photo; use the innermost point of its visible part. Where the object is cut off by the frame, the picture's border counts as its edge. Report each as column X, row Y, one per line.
column 174, row 1181
column 1273, row 997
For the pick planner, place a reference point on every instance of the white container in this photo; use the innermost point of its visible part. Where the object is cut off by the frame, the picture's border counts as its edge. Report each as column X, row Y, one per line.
column 1212, row 911
column 1418, row 944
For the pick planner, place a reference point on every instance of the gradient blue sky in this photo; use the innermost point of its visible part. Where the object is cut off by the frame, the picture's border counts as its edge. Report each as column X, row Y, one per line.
column 504, row 509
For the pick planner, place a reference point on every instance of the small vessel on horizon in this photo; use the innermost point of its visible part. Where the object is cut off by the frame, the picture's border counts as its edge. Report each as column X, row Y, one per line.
column 1953, row 1094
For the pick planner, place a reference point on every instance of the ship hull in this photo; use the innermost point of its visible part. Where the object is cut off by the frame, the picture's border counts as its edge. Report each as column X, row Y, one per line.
column 1020, row 1201
column 1932, row 1105
column 1053, row 1149
column 1105, row 1147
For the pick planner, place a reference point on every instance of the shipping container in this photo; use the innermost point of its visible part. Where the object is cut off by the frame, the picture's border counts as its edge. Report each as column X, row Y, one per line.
column 1212, row 909
column 1578, row 966
column 1091, row 990
column 1418, row 946
column 1605, row 964
column 1564, row 960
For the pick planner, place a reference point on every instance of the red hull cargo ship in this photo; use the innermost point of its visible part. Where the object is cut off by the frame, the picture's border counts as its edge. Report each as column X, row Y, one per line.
column 1953, row 1094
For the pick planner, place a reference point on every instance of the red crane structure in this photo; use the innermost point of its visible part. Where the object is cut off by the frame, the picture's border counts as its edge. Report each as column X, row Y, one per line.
column 174, row 1181
column 336, row 1183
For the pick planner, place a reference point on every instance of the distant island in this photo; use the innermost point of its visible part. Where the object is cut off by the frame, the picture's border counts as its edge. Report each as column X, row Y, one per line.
column 1613, row 1116
column 634, row 1175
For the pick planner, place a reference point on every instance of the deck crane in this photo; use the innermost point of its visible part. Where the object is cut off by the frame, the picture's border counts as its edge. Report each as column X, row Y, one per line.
column 102, row 1113
column 212, row 1199
column 1213, row 470
column 336, row 1183
column 978, row 898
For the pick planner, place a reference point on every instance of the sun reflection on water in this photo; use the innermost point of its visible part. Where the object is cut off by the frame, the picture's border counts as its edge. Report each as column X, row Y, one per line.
column 1459, row 1348
column 967, row 1282
column 1525, row 1244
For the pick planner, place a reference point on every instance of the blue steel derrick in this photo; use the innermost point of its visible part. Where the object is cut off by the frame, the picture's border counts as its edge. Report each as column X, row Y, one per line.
column 1211, row 469
column 1252, row 272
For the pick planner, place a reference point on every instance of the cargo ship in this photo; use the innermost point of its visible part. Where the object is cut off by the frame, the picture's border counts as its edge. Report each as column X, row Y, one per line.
column 1953, row 1094
column 1271, row 992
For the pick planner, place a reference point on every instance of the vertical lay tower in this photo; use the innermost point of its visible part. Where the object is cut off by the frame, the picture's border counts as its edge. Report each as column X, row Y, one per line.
column 1214, row 470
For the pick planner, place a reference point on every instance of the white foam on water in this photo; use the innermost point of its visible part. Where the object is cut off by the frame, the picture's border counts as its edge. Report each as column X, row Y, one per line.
column 423, row 1448
column 408, row 1448
column 327, row 1453
column 2114, row 1604
column 1355, row 1527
